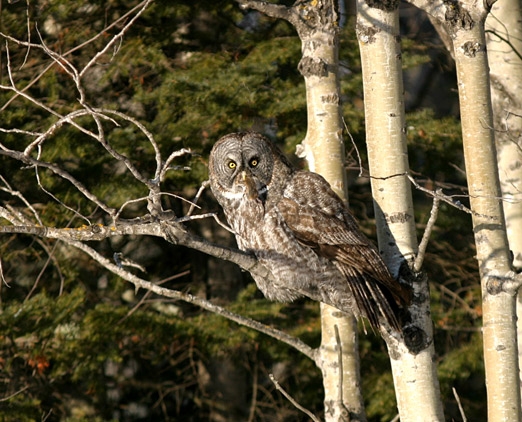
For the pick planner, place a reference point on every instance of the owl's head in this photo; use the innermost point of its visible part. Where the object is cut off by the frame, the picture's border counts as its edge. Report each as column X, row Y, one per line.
column 242, row 163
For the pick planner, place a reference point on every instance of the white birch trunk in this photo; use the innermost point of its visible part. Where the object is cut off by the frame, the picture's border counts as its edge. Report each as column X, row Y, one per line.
column 324, row 150
column 414, row 373
column 499, row 316
column 504, row 49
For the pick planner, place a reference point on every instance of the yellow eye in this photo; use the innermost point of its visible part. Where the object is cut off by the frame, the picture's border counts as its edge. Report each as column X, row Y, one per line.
column 253, row 162
column 232, row 165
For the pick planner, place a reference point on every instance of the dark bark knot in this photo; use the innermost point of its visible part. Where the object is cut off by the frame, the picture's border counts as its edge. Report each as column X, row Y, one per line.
column 398, row 217
column 415, row 339
column 330, row 99
column 330, row 407
column 386, row 5
column 457, row 17
column 308, row 66
column 514, row 166
column 366, row 34
column 495, row 285
column 472, row 48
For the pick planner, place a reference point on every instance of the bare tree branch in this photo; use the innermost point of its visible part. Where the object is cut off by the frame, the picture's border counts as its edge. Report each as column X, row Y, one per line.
column 172, row 231
column 292, row 400
column 186, row 297
column 142, row 7
column 100, row 34
column 419, row 259
column 270, row 9
column 461, row 409
column 58, row 171
column 438, row 194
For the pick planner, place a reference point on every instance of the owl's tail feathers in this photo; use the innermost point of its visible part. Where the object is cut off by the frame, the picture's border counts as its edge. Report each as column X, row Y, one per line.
column 374, row 301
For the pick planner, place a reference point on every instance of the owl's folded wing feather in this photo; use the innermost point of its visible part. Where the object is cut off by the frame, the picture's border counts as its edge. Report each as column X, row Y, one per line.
column 327, row 227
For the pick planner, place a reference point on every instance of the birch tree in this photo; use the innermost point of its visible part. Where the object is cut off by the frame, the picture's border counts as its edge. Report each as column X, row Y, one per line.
column 464, row 22
column 413, row 363
column 504, row 44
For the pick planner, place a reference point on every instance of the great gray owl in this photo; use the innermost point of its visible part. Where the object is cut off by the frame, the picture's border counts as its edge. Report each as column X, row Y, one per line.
column 301, row 231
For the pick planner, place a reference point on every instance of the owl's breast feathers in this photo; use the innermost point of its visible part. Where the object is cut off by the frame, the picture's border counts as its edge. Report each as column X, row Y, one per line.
column 325, row 225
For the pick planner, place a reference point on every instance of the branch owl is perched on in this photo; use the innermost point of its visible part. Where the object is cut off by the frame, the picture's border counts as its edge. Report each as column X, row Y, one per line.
column 298, row 228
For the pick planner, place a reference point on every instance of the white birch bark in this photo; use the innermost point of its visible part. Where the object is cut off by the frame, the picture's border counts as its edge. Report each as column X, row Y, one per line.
column 504, row 42
column 324, row 150
column 499, row 331
column 414, row 370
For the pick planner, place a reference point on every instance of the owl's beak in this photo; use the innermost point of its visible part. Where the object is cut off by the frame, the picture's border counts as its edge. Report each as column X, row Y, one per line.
column 250, row 185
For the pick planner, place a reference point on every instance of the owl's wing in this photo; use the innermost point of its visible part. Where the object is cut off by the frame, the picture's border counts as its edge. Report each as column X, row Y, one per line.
column 319, row 219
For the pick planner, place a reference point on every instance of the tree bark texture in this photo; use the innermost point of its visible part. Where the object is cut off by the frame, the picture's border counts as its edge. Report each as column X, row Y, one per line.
column 499, row 314
column 504, row 42
column 412, row 358
column 324, row 150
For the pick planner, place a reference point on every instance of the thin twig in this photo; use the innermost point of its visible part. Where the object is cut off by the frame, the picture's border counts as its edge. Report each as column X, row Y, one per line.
column 253, row 404
column 461, row 409
column 19, row 195
column 61, row 62
column 33, row 100
column 95, row 114
column 166, row 166
column 59, row 172
column 509, row 43
column 28, row 44
column 20, row 131
column 147, row 134
column 149, row 293
column 41, row 137
column 359, row 160
column 4, row 281
column 196, row 217
column 40, row 274
column 203, row 186
column 419, row 259
column 126, row 262
column 457, row 298
column 145, row 198
column 291, row 399
column 67, row 207
column 117, row 37
column 28, row 23
column 14, row 394
column 448, row 199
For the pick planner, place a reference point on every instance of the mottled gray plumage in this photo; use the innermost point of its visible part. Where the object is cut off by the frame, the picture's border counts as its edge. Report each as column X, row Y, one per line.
column 301, row 231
